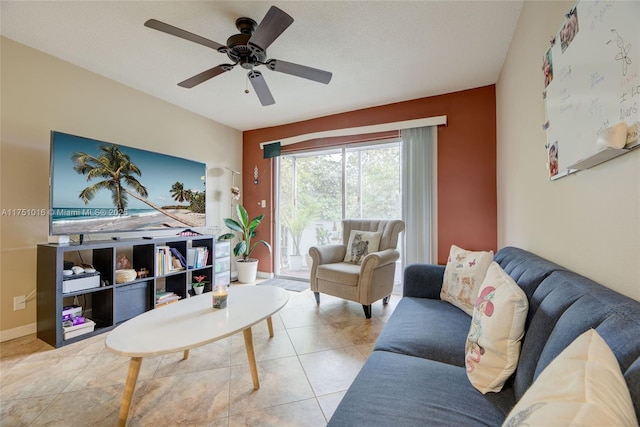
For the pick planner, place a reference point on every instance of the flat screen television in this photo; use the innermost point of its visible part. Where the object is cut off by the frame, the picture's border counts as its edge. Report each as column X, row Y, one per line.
column 101, row 187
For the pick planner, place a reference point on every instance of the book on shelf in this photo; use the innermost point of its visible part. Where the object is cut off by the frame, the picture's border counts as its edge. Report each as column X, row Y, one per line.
column 178, row 259
column 162, row 252
column 168, row 299
column 164, row 304
column 168, row 260
column 197, row 257
column 163, row 297
column 162, row 294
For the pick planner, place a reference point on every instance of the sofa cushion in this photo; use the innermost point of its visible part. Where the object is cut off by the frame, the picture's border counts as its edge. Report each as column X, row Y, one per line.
column 632, row 377
column 566, row 305
column 493, row 343
column 526, row 268
column 463, row 276
column 427, row 328
column 361, row 243
column 404, row 391
column 582, row 386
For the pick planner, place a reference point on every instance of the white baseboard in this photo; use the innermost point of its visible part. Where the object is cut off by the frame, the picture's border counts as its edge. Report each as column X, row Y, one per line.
column 265, row 275
column 18, row 332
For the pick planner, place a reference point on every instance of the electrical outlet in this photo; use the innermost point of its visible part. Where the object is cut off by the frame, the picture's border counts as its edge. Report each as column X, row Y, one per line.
column 19, row 303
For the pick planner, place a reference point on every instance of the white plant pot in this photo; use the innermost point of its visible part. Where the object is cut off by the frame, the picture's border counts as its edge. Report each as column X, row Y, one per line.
column 295, row 262
column 198, row 289
column 247, row 270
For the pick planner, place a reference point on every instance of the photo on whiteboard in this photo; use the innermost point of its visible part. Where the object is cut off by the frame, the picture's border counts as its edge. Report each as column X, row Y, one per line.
column 547, row 68
column 553, row 159
column 569, row 29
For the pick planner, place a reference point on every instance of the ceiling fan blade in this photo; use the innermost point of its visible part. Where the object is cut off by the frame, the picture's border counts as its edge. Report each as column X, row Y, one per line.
column 205, row 75
column 260, row 86
column 178, row 32
column 272, row 25
column 298, row 70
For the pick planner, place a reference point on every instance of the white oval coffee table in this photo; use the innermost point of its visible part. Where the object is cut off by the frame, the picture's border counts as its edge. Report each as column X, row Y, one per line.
column 170, row 329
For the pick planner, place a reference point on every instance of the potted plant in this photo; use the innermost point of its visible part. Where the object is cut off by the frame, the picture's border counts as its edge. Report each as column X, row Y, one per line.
column 247, row 267
column 296, row 222
column 198, row 285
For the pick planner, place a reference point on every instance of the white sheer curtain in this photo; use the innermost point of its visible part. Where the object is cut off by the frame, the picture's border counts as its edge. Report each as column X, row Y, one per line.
column 417, row 181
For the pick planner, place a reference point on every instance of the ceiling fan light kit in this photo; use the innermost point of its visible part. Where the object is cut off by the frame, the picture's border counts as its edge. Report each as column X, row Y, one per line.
column 249, row 50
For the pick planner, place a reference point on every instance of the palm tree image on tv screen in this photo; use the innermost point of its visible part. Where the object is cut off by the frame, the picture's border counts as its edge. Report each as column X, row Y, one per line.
column 99, row 187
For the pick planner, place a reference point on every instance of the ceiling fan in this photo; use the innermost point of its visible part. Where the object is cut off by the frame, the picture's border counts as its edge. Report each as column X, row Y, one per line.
column 249, row 50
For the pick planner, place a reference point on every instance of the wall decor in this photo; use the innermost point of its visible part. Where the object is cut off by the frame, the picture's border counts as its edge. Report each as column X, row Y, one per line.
column 591, row 92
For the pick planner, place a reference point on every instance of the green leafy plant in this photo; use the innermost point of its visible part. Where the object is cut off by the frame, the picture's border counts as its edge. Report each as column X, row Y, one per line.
column 296, row 222
column 246, row 230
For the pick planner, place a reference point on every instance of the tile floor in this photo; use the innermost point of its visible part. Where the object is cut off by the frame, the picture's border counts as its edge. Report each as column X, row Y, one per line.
column 304, row 371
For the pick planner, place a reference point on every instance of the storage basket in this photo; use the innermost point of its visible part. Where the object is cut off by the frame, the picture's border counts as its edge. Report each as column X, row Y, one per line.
column 127, row 275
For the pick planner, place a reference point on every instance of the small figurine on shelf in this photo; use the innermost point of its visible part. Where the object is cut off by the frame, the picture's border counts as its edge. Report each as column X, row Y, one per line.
column 198, row 285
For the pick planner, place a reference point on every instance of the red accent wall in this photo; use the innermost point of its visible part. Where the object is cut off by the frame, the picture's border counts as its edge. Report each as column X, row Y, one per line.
column 467, row 199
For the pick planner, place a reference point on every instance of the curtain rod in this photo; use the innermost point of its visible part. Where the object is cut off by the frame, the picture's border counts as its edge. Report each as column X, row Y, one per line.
column 406, row 124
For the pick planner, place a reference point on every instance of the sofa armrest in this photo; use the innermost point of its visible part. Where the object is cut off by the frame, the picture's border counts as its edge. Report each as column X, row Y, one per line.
column 327, row 254
column 423, row 281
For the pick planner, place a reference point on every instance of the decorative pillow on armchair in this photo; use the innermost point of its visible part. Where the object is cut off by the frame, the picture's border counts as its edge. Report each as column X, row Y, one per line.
column 362, row 243
column 582, row 386
column 493, row 344
column 463, row 276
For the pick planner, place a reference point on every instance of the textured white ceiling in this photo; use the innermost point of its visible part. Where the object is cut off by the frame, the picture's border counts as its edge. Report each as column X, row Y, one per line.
column 379, row 51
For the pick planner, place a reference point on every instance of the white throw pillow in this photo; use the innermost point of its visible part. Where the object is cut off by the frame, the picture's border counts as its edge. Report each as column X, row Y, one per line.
column 493, row 344
column 463, row 276
column 583, row 386
column 362, row 243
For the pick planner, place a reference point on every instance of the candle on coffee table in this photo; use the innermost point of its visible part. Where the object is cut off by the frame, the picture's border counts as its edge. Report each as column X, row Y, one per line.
column 220, row 296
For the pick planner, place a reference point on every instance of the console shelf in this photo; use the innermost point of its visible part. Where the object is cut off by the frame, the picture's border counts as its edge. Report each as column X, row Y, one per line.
column 112, row 303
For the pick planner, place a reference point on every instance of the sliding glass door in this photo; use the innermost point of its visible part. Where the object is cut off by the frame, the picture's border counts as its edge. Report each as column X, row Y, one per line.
column 372, row 188
column 317, row 189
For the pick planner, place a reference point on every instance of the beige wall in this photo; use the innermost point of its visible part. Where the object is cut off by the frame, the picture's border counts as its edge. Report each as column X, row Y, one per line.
column 40, row 93
column 588, row 222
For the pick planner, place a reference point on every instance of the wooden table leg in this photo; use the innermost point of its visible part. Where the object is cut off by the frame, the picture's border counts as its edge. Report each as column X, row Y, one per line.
column 129, row 388
column 248, row 343
column 270, row 325
column 185, row 356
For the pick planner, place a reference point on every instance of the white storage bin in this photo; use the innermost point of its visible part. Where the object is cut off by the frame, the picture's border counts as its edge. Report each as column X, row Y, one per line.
column 222, row 265
column 223, row 249
column 80, row 283
column 221, row 279
column 77, row 330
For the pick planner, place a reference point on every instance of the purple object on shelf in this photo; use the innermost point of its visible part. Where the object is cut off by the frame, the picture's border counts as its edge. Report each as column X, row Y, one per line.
column 78, row 320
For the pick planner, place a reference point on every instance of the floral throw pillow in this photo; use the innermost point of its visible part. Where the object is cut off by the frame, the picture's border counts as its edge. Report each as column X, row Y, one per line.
column 463, row 276
column 497, row 327
column 361, row 243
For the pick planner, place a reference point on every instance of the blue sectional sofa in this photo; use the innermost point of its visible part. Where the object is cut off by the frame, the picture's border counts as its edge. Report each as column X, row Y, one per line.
column 416, row 374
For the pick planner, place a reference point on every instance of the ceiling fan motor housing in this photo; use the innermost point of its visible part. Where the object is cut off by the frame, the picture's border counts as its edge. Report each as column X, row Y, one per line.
column 238, row 45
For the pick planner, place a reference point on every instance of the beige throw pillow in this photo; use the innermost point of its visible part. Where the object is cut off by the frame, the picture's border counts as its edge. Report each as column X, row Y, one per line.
column 583, row 386
column 361, row 243
column 463, row 276
column 493, row 344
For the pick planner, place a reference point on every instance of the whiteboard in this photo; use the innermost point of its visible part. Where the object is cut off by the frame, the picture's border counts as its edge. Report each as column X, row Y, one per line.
column 592, row 82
